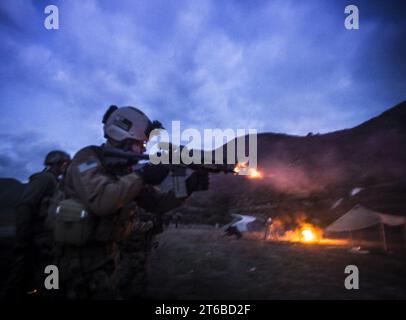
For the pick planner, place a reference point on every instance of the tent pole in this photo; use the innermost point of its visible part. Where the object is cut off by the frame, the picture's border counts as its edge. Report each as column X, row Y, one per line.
column 404, row 233
column 385, row 247
column 360, row 238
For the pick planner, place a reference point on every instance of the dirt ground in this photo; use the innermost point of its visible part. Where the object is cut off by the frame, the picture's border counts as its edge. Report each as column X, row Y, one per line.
column 202, row 264
column 196, row 263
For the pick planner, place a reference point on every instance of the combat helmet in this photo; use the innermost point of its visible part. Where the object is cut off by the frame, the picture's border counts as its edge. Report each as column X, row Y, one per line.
column 56, row 157
column 125, row 123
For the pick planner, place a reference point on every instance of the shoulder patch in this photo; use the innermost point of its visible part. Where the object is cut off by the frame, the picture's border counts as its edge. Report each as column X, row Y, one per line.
column 83, row 167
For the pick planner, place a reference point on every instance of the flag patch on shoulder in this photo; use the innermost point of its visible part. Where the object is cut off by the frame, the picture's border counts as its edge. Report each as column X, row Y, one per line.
column 87, row 166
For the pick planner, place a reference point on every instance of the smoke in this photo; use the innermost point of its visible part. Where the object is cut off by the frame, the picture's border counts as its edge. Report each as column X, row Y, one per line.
column 291, row 180
column 290, row 220
column 302, row 181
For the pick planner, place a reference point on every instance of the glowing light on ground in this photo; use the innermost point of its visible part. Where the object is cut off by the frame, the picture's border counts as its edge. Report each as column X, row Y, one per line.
column 307, row 234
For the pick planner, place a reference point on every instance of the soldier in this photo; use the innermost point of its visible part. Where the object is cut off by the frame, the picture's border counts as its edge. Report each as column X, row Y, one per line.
column 33, row 247
column 107, row 197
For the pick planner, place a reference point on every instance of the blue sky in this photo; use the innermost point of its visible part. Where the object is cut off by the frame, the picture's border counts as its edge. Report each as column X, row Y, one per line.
column 285, row 66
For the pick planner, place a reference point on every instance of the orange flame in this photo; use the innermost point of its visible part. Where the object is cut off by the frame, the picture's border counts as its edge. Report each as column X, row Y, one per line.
column 240, row 165
column 306, row 233
column 252, row 173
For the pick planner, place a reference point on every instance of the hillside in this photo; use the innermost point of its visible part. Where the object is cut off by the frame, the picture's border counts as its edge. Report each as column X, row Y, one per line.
column 324, row 175
column 319, row 176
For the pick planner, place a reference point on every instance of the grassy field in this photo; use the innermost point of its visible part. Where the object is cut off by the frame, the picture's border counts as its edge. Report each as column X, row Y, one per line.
column 201, row 264
column 196, row 263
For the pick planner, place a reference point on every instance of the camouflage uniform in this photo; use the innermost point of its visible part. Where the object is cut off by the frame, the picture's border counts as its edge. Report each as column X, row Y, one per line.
column 89, row 271
column 33, row 247
column 136, row 249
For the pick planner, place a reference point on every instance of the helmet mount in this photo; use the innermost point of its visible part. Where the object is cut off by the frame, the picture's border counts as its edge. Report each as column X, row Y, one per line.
column 127, row 123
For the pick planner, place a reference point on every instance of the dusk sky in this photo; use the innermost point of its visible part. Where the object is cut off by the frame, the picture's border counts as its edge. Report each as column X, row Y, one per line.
column 275, row 66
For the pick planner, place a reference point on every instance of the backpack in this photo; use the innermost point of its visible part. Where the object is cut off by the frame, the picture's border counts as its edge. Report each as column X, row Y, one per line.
column 68, row 220
column 72, row 223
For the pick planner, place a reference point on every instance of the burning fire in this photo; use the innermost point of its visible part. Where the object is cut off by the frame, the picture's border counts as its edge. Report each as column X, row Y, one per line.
column 308, row 235
column 240, row 166
column 254, row 174
column 250, row 172
column 304, row 233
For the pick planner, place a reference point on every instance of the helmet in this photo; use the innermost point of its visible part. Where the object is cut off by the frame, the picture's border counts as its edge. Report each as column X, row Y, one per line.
column 127, row 123
column 56, row 157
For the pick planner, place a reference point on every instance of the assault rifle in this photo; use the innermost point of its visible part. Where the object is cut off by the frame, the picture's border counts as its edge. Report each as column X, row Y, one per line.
column 177, row 167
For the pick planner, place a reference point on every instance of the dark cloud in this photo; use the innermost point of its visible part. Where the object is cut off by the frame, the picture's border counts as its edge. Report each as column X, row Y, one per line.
column 282, row 65
column 22, row 155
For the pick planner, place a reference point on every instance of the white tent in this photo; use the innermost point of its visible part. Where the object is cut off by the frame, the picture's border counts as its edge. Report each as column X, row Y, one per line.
column 243, row 221
column 240, row 221
column 359, row 218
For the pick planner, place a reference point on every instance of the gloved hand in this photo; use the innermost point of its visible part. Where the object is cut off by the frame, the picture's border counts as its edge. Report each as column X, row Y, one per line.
column 153, row 174
column 198, row 181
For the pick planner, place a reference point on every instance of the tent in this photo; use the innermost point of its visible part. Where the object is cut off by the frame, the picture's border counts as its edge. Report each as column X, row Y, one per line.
column 241, row 222
column 359, row 218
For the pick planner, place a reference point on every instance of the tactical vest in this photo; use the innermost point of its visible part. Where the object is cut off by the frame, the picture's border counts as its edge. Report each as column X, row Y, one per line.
column 74, row 224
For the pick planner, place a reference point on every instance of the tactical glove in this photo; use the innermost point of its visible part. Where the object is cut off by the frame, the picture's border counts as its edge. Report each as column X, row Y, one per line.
column 153, row 174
